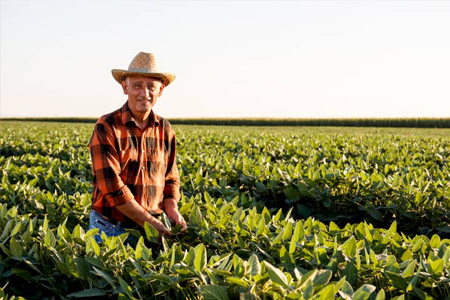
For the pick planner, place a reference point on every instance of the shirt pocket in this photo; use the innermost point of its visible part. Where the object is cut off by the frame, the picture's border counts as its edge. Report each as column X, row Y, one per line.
column 128, row 156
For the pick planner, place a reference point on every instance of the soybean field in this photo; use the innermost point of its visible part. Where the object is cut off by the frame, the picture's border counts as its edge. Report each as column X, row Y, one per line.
column 272, row 212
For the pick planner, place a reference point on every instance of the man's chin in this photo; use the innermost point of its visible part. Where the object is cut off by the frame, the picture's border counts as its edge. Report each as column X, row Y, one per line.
column 144, row 109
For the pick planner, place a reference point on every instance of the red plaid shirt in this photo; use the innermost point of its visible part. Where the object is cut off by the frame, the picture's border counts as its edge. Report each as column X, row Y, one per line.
column 130, row 163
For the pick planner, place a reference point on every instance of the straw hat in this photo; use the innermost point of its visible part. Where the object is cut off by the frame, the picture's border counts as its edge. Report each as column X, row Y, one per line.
column 143, row 64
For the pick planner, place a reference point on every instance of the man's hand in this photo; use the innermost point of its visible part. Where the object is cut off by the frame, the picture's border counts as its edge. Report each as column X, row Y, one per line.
column 135, row 212
column 159, row 226
column 171, row 210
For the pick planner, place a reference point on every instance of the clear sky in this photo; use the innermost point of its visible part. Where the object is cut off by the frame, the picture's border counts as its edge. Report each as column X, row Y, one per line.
column 293, row 59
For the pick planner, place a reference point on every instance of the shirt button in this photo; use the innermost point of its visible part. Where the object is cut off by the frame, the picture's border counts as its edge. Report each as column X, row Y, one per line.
column 143, row 168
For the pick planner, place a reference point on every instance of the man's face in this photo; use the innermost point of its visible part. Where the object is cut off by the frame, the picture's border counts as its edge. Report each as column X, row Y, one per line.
column 143, row 92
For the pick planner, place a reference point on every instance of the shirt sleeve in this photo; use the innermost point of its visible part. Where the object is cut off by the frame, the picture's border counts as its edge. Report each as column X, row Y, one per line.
column 106, row 166
column 172, row 182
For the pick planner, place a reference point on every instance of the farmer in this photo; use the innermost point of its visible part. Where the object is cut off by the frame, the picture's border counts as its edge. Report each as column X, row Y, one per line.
column 133, row 156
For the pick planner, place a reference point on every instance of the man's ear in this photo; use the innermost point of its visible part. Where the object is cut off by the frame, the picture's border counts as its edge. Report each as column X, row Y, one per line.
column 124, row 87
column 161, row 89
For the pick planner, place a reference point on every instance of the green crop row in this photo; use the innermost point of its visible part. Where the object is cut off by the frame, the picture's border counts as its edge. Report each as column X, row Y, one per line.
column 274, row 214
column 338, row 177
column 227, row 253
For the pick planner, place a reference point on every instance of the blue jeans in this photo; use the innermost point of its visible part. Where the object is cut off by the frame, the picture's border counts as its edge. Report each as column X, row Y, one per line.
column 97, row 221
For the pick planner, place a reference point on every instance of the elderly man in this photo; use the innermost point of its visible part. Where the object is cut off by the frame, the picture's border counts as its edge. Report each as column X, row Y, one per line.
column 133, row 156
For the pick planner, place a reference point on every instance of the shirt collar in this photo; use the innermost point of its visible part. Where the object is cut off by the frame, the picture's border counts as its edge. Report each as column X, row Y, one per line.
column 127, row 116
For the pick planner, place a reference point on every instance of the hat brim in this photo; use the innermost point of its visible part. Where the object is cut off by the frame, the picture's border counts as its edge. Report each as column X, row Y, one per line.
column 120, row 75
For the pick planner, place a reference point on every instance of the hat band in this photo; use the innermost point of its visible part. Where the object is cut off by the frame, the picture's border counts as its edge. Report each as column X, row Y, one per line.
column 141, row 70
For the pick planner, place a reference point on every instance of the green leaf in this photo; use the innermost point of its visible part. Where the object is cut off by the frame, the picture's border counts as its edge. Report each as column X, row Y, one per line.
column 78, row 232
column 15, row 248
column 308, row 289
column 418, row 199
column 435, row 267
column 291, row 193
column 140, row 249
column 213, row 292
column 347, row 289
column 409, row 270
column 332, row 227
column 261, row 227
column 49, row 240
column 82, row 267
column 339, row 285
column 407, row 255
column 238, row 265
column 374, row 213
column 151, row 233
column 104, row 276
column 392, row 229
column 417, row 245
column 349, row 247
column 327, row 293
column 24, row 274
column 364, row 292
column 64, row 234
column 277, row 216
column 275, row 274
column 255, row 266
column 87, row 293
column 322, row 277
column 166, row 221
column 412, row 283
column 435, row 241
column 422, row 295
column 398, row 281
column 350, row 272
column 307, row 277
column 92, row 246
column 292, row 245
column 125, row 287
column 196, row 218
column 160, row 277
column 200, row 260
column 16, row 229
column 288, row 215
column 31, row 265
column 94, row 261
column 278, row 238
column 286, row 259
column 7, row 229
column 45, row 225
column 299, row 231
column 266, row 215
column 380, row 295
column 287, row 231
column 207, row 198
column 395, row 180
column 237, row 215
column 237, row 280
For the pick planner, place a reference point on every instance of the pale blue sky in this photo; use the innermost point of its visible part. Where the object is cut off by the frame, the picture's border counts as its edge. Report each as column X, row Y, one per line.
column 313, row 59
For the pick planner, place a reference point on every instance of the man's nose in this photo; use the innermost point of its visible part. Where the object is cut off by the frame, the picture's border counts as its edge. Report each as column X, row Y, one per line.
column 145, row 92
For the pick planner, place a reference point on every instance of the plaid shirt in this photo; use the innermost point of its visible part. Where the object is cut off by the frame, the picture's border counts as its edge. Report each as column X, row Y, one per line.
column 130, row 163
